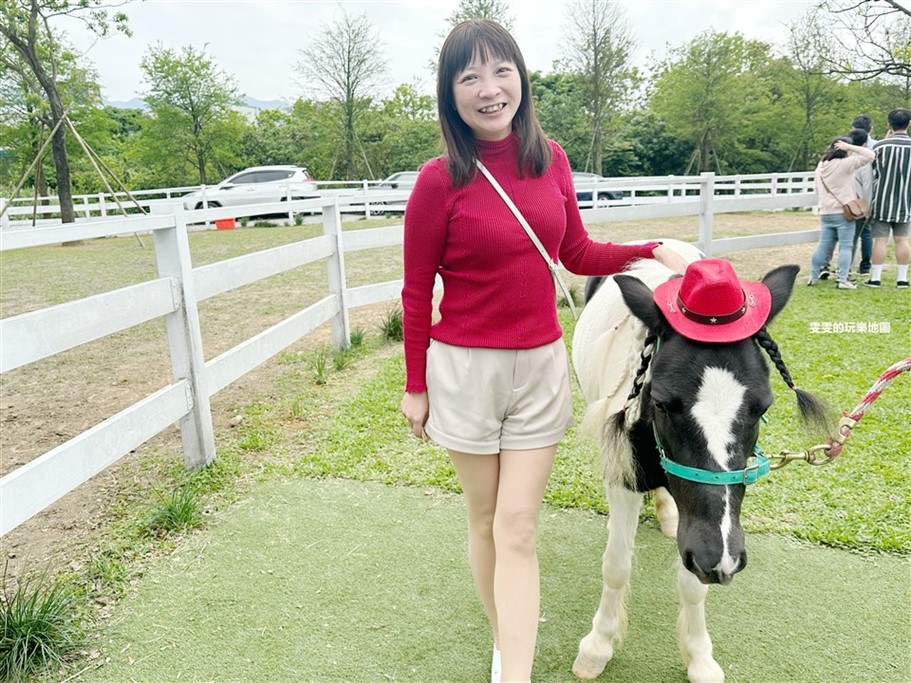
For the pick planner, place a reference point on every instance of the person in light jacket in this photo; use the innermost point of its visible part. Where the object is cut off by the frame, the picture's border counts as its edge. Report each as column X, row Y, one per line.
column 835, row 188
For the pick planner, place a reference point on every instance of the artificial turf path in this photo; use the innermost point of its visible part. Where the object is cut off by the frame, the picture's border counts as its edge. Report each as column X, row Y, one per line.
column 328, row 580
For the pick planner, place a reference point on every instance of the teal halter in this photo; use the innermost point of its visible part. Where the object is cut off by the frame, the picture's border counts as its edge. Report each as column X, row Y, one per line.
column 748, row 475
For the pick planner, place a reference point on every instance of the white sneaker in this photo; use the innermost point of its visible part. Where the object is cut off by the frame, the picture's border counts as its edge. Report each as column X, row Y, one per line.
column 495, row 666
column 844, row 284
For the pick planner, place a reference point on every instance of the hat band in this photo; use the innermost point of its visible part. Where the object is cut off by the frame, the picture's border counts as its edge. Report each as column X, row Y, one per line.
column 712, row 319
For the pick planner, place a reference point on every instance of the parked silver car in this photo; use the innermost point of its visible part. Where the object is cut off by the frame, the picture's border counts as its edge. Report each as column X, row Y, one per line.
column 256, row 185
column 403, row 180
column 586, row 183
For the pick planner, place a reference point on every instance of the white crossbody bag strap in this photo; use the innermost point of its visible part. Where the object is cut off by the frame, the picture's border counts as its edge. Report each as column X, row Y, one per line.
column 551, row 264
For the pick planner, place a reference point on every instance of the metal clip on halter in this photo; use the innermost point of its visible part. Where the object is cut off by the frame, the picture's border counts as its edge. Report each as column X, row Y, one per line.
column 811, row 456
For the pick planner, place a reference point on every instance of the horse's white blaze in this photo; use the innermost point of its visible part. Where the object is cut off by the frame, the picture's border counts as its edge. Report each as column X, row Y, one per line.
column 717, row 404
column 728, row 563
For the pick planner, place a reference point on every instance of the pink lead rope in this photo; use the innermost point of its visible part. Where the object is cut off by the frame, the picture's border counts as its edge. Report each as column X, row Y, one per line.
column 847, row 423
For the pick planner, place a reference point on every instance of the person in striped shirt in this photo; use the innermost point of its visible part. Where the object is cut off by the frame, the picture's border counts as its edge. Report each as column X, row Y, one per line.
column 890, row 209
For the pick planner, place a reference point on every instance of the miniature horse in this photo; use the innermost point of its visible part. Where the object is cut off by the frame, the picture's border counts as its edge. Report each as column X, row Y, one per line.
column 643, row 382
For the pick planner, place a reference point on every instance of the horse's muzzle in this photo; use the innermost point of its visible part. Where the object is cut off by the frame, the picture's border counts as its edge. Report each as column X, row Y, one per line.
column 716, row 575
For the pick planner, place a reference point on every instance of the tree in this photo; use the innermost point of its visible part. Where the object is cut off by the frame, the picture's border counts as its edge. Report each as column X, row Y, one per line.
column 497, row 10
column 809, row 50
column 598, row 44
column 710, row 92
column 190, row 99
column 403, row 132
column 26, row 24
column 346, row 64
column 306, row 135
column 560, row 108
column 873, row 38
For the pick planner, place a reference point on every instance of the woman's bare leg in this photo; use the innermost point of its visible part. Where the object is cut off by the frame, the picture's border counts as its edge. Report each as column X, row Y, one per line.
column 517, row 588
column 479, row 476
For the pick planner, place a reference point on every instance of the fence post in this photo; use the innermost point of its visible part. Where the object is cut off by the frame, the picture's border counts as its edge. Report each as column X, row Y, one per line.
column 288, row 199
column 101, row 203
column 706, row 213
column 4, row 219
column 335, row 265
column 172, row 252
column 366, row 187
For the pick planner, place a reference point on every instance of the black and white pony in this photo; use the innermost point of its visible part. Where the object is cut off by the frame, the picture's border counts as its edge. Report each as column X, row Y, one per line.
column 645, row 384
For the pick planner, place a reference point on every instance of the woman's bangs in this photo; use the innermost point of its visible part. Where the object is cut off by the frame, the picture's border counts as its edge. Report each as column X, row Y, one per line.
column 479, row 44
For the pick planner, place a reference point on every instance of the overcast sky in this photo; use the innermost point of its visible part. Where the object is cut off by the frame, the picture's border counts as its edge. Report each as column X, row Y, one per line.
column 258, row 41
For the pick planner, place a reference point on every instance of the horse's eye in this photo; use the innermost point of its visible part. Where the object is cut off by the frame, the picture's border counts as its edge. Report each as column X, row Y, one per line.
column 670, row 406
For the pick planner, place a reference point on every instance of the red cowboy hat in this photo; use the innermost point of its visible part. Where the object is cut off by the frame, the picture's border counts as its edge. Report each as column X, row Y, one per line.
column 710, row 304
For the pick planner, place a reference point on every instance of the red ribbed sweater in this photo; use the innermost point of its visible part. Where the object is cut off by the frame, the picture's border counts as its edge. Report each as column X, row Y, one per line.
column 497, row 291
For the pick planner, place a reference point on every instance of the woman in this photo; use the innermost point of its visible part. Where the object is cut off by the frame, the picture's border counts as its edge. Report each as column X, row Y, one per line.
column 835, row 188
column 489, row 381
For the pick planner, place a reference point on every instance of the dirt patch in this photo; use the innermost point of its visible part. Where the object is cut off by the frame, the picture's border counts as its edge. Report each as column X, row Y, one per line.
column 46, row 403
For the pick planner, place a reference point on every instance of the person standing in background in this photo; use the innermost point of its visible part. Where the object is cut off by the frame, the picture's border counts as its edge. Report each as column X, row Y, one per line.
column 890, row 208
column 835, row 188
column 863, row 182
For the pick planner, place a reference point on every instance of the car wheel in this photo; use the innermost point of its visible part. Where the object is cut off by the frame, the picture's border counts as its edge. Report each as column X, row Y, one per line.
column 212, row 205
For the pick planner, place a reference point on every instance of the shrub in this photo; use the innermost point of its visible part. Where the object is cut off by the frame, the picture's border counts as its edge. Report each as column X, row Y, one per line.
column 392, row 326
column 178, row 511
column 39, row 627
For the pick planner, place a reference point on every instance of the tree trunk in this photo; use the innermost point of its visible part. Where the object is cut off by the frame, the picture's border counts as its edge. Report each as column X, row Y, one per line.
column 201, row 167
column 62, row 167
column 597, row 156
column 58, row 144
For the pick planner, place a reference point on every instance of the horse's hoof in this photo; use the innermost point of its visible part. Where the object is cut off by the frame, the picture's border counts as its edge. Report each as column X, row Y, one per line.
column 587, row 668
column 666, row 512
column 705, row 671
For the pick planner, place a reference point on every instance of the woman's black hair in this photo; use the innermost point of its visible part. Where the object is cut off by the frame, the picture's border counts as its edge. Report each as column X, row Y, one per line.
column 487, row 40
column 832, row 152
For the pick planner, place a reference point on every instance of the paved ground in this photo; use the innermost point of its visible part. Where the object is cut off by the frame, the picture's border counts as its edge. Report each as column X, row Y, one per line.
column 348, row 581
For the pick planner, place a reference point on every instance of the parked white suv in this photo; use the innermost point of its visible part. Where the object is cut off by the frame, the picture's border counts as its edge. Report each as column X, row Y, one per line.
column 256, row 185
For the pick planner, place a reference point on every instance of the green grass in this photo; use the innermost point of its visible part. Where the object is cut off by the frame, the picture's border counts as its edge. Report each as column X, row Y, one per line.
column 179, row 510
column 392, row 325
column 39, row 628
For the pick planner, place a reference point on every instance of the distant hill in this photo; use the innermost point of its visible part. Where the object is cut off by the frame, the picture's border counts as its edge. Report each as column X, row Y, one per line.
column 250, row 102
column 135, row 103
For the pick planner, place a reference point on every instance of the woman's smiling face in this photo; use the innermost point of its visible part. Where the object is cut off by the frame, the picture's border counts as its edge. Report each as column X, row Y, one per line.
column 487, row 97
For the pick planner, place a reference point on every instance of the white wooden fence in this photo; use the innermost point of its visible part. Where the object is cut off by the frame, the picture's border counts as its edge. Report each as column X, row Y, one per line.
column 637, row 191
column 179, row 287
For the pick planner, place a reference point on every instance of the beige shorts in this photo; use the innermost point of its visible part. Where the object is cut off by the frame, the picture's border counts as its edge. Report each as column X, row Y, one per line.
column 485, row 400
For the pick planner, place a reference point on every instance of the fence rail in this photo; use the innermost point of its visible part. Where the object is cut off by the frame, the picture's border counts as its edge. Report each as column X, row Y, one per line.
column 371, row 198
column 179, row 287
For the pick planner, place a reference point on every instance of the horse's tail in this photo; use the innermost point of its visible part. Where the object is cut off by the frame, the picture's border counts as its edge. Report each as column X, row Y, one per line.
column 614, row 447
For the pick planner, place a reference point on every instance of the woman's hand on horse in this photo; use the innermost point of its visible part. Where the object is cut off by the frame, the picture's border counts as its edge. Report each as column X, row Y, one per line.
column 670, row 258
column 416, row 408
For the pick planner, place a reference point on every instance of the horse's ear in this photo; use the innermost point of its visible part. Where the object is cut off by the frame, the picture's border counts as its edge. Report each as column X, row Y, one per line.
column 638, row 297
column 780, row 282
